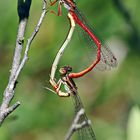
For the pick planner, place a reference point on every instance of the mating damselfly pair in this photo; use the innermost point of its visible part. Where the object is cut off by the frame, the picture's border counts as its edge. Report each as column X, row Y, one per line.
column 104, row 57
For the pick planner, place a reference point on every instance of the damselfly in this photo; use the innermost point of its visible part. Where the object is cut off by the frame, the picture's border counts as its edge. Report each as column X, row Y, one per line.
column 104, row 55
column 86, row 132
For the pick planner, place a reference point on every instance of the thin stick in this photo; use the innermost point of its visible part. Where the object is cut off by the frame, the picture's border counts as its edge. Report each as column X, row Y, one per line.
column 18, row 65
column 75, row 125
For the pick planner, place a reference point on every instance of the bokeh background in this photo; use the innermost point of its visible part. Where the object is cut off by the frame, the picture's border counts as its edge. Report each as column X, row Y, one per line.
column 111, row 98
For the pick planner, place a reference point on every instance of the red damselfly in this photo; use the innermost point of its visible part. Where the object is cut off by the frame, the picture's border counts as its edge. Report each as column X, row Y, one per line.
column 104, row 55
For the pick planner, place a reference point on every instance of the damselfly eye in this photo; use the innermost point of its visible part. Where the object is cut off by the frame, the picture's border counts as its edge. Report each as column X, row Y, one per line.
column 69, row 69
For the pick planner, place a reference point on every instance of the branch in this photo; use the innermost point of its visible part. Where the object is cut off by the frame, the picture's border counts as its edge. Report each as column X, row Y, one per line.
column 25, row 57
column 18, row 64
column 75, row 125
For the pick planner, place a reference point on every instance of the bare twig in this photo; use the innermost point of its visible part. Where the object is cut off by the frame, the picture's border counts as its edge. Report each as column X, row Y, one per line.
column 18, row 64
column 75, row 125
column 30, row 40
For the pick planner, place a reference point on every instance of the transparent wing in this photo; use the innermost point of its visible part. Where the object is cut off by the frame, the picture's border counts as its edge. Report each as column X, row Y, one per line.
column 108, row 59
column 85, row 133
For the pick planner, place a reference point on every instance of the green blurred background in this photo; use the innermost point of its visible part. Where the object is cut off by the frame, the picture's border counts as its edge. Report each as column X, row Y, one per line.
column 111, row 98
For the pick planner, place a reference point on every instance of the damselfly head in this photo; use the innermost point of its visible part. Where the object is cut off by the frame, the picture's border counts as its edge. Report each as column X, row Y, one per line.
column 69, row 68
column 64, row 70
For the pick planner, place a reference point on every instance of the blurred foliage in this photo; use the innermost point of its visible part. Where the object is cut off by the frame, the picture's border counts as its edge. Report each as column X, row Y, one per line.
column 108, row 96
column 133, row 124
